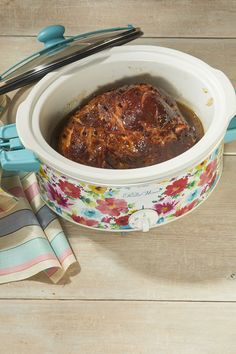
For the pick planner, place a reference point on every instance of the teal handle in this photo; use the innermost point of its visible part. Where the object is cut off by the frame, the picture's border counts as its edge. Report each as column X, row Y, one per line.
column 8, row 132
column 52, row 35
column 19, row 160
column 231, row 131
column 13, row 155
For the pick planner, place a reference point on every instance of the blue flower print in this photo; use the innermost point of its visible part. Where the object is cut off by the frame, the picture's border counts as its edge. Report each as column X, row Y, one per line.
column 194, row 195
column 160, row 220
column 108, row 194
column 91, row 213
column 58, row 210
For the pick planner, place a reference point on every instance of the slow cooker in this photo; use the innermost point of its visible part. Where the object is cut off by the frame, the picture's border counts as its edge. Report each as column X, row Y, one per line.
column 118, row 200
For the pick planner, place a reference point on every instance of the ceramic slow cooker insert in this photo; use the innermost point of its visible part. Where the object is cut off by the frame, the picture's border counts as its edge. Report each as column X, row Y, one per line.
column 134, row 199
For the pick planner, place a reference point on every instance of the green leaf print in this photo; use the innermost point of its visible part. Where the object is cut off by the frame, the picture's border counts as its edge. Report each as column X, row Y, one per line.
column 131, row 205
column 191, row 184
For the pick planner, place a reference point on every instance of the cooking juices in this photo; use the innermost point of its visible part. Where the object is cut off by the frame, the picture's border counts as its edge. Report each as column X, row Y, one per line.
column 192, row 119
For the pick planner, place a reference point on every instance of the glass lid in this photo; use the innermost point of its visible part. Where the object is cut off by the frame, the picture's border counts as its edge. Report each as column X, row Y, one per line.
column 60, row 51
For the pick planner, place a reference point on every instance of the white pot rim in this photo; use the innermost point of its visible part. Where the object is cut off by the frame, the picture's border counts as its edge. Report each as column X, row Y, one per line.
column 225, row 108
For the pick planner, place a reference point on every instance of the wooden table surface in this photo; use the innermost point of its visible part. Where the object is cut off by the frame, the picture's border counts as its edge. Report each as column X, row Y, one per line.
column 172, row 290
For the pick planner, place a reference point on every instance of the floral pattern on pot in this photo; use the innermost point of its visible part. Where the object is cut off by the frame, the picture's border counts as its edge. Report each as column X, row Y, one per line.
column 109, row 208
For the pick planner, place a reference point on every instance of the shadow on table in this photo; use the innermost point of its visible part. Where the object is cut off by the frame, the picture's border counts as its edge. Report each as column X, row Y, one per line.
column 71, row 272
column 196, row 248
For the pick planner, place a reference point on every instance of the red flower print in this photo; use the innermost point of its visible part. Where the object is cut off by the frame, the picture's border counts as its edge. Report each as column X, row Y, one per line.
column 112, row 206
column 207, row 176
column 204, row 190
column 176, row 187
column 122, row 220
column 212, row 180
column 185, row 209
column 57, row 197
column 84, row 221
column 164, row 208
column 107, row 219
column 70, row 189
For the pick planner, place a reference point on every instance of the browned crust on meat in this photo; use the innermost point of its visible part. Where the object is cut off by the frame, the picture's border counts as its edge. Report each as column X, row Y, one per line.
column 133, row 126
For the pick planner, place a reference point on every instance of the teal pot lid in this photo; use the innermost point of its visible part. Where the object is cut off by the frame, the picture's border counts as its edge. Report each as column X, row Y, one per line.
column 60, row 51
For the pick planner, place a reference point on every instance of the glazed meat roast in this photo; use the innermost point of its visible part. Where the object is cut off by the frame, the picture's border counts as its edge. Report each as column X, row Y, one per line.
column 129, row 127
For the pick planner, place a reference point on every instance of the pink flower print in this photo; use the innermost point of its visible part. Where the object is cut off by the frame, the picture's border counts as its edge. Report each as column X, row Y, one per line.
column 107, row 219
column 54, row 195
column 212, row 181
column 84, row 221
column 207, row 176
column 70, row 189
column 185, row 209
column 112, row 206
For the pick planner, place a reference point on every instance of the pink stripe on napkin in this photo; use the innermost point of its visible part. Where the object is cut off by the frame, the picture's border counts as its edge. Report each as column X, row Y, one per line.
column 16, row 191
column 26, row 265
column 24, row 191
column 32, row 191
column 65, row 254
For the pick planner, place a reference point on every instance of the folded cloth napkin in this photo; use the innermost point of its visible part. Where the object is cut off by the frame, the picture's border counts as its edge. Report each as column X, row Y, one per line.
column 31, row 238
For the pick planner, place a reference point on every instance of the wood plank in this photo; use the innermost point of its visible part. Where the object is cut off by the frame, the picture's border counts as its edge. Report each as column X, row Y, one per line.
column 163, row 18
column 117, row 327
column 217, row 52
column 191, row 259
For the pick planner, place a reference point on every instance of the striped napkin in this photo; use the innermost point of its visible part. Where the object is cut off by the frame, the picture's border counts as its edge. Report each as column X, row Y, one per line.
column 31, row 238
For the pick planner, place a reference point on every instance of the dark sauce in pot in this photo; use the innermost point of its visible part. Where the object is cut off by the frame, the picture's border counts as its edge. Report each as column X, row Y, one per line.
column 191, row 117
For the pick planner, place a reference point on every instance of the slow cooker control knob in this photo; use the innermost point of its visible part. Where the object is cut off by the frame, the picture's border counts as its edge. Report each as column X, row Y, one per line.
column 143, row 219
